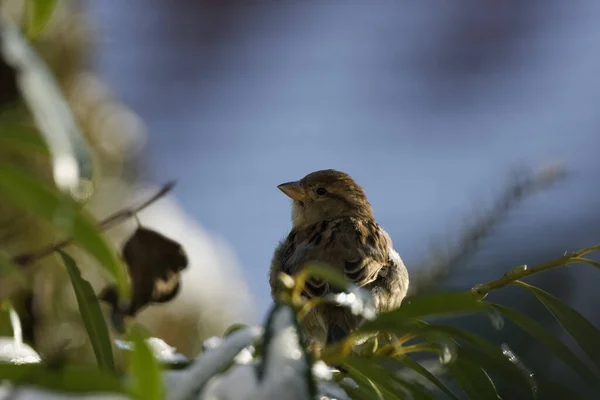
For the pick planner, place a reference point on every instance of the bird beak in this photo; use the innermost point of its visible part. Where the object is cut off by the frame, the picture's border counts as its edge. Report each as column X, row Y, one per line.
column 293, row 190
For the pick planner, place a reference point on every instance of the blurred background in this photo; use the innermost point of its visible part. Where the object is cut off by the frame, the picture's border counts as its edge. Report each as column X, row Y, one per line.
column 428, row 105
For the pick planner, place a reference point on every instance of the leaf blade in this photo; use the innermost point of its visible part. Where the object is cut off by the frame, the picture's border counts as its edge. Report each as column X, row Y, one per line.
column 92, row 316
column 53, row 206
column 418, row 368
column 581, row 330
column 39, row 13
column 540, row 333
column 21, row 137
column 429, row 306
column 368, row 373
column 68, row 378
column 144, row 368
column 473, row 380
column 482, row 352
column 72, row 160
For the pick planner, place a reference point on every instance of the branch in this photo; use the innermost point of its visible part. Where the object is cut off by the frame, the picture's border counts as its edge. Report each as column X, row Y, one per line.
column 523, row 271
column 518, row 189
column 107, row 223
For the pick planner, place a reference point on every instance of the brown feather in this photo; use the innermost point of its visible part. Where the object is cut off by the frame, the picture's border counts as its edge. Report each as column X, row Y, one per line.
column 338, row 228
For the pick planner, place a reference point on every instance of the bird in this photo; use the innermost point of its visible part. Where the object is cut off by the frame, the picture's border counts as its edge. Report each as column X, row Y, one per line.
column 333, row 224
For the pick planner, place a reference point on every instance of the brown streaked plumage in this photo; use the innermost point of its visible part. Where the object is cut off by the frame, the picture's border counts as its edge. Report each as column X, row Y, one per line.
column 333, row 223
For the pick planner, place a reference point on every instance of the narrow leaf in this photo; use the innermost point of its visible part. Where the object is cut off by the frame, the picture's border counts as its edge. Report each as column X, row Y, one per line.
column 64, row 214
column 144, row 369
column 366, row 372
column 433, row 305
column 67, row 379
column 481, row 351
column 507, row 371
column 71, row 157
column 551, row 342
column 21, row 137
column 418, row 368
column 92, row 316
column 473, row 379
column 418, row 391
column 583, row 331
column 234, row 328
column 39, row 13
column 385, row 381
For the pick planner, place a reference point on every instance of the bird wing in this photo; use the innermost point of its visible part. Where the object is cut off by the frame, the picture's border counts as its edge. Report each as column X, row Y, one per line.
column 357, row 247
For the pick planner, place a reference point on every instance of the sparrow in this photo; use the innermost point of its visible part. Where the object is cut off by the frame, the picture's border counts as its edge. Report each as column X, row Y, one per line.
column 333, row 223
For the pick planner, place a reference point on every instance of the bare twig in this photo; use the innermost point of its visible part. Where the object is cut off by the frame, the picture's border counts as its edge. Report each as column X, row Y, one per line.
column 107, row 223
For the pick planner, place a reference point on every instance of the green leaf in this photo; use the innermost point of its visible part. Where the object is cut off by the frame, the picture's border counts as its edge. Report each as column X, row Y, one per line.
column 418, row 391
column 473, row 379
column 506, row 370
column 542, row 335
column 583, row 331
column 38, row 13
column 418, row 368
column 72, row 162
column 482, row 352
column 367, row 373
column 384, row 382
column 64, row 379
column 433, row 305
column 144, row 369
column 234, row 328
column 64, row 214
column 21, row 137
column 92, row 316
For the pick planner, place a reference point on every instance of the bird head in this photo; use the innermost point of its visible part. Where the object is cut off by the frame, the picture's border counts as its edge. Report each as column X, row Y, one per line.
column 324, row 195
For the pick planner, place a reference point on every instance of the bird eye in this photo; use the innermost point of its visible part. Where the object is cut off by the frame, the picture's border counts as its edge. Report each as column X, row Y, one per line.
column 321, row 191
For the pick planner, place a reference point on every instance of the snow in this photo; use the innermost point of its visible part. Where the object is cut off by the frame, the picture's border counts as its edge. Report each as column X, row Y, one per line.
column 15, row 353
column 211, row 362
column 161, row 350
column 284, row 372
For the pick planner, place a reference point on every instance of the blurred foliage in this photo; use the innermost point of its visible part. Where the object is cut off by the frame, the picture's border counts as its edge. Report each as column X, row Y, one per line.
column 144, row 368
column 442, row 262
column 38, row 14
column 52, row 110
column 62, row 44
column 91, row 314
column 278, row 362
